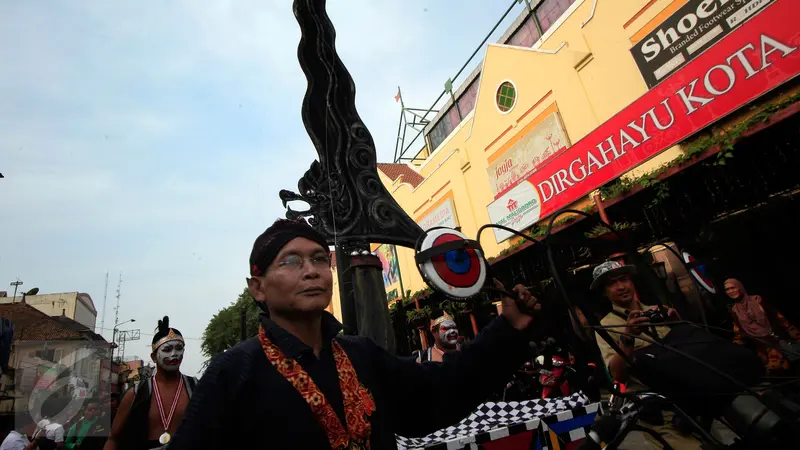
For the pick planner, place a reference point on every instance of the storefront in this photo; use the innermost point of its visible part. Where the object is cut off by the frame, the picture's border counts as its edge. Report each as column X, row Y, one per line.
column 729, row 201
column 735, row 89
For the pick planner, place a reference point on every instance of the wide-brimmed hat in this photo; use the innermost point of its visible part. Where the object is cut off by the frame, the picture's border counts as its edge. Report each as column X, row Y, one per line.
column 608, row 269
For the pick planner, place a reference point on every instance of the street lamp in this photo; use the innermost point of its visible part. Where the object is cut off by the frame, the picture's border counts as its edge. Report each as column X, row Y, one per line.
column 113, row 342
column 114, row 335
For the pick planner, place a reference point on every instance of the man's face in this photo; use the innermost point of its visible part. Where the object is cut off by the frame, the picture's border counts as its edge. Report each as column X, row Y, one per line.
column 169, row 355
column 91, row 411
column 732, row 290
column 299, row 280
column 447, row 334
column 620, row 290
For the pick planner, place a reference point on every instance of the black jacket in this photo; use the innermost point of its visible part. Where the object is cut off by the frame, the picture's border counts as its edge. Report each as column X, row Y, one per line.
column 243, row 402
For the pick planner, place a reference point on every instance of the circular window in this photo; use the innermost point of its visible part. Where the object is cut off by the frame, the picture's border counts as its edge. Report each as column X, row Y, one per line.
column 506, row 96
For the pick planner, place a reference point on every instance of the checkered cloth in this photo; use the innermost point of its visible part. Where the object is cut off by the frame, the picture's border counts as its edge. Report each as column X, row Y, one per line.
column 557, row 431
column 492, row 421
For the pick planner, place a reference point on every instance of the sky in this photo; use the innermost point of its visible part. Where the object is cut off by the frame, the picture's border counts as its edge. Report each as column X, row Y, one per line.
column 150, row 139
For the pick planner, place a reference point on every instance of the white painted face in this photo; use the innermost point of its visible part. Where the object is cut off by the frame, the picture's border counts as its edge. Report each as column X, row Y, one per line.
column 170, row 355
column 448, row 333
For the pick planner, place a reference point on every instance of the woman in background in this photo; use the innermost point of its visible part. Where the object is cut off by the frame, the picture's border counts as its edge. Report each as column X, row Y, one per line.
column 765, row 327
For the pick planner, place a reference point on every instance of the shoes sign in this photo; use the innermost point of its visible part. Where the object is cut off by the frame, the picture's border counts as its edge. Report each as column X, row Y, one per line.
column 692, row 29
column 757, row 57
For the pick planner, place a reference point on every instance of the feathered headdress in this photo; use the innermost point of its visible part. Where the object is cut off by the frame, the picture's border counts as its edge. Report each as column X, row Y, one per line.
column 164, row 333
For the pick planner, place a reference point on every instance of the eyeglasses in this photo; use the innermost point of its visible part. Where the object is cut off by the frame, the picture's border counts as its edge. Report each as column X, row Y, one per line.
column 295, row 262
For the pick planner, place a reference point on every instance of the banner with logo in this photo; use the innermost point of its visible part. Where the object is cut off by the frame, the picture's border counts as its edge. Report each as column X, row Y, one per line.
column 750, row 61
column 391, row 269
column 693, row 28
column 517, row 209
column 515, row 164
column 443, row 215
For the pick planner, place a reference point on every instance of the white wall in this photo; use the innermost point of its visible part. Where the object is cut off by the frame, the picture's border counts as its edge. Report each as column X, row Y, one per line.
column 84, row 316
column 69, row 303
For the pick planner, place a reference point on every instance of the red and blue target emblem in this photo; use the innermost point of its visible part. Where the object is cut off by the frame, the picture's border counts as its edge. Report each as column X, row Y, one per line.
column 698, row 272
column 458, row 273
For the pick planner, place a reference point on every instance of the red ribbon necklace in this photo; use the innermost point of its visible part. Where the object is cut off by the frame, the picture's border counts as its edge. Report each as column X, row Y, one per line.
column 166, row 420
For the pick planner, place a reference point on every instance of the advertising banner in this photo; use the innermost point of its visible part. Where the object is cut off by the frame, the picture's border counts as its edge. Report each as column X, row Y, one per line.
column 518, row 162
column 443, row 215
column 694, row 27
column 752, row 60
column 391, row 269
column 516, row 209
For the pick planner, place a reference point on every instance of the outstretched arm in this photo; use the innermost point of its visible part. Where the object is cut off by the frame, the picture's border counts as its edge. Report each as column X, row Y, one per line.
column 430, row 396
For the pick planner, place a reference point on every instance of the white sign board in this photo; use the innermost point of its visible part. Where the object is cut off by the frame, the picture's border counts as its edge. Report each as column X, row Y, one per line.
column 517, row 209
column 443, row 216
column 523, row 158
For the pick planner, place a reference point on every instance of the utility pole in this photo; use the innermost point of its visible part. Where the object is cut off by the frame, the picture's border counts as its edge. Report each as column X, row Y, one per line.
column 114, row 332
column 16, row 284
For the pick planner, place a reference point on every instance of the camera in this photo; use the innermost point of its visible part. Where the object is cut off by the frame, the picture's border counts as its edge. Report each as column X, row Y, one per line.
column 655, row 315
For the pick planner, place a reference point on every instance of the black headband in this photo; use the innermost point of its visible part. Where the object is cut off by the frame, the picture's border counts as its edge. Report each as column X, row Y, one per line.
column 269, row 244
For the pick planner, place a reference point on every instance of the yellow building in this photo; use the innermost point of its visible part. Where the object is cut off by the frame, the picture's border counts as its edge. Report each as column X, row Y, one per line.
column 75, row 305
column 563, row 69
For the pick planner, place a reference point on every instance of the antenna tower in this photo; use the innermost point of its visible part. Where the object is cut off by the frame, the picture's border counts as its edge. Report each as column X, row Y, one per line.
column 105, row 302
column 116, row 310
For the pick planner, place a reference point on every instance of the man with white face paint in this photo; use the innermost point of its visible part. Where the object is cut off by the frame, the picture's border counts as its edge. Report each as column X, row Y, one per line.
column 445, row 339
column 150, row 413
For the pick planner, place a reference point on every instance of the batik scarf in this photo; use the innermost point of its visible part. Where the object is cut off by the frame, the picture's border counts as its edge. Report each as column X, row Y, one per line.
column 358, row 402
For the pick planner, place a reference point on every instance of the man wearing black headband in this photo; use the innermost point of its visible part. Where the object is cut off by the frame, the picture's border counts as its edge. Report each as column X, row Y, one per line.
column 150, row 413
column 302, row 384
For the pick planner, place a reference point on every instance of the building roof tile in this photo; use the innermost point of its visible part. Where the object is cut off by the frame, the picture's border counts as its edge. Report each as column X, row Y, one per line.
column 30, row 324
column 394, row 171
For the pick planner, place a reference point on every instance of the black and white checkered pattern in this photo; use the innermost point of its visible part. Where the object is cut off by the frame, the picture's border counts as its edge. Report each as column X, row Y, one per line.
column 492, row 421
column 575, row 434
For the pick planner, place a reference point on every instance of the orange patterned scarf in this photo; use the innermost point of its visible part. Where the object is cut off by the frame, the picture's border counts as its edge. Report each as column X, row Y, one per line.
column 358, row 402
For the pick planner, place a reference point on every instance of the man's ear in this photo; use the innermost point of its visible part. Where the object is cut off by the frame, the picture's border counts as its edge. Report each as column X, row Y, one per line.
column 254, row 287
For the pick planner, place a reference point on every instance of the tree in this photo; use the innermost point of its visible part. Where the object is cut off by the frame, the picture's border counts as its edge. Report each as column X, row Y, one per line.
column 224, row 329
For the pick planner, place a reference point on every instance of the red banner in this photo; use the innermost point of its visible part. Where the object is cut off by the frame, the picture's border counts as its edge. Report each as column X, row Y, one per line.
column 752, row 60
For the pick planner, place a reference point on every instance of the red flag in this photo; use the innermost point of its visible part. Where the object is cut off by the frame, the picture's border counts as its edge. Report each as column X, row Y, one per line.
column 397, row 97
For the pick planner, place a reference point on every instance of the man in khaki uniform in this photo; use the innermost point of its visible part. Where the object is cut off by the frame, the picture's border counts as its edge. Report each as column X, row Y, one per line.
column 615, row 281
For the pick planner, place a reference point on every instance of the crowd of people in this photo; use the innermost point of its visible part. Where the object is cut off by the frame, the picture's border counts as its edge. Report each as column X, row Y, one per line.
column 302, row 383
column 146, row 417
column 87, row 429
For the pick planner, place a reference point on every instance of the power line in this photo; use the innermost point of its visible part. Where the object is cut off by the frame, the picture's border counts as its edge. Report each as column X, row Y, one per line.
column 150, row 334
